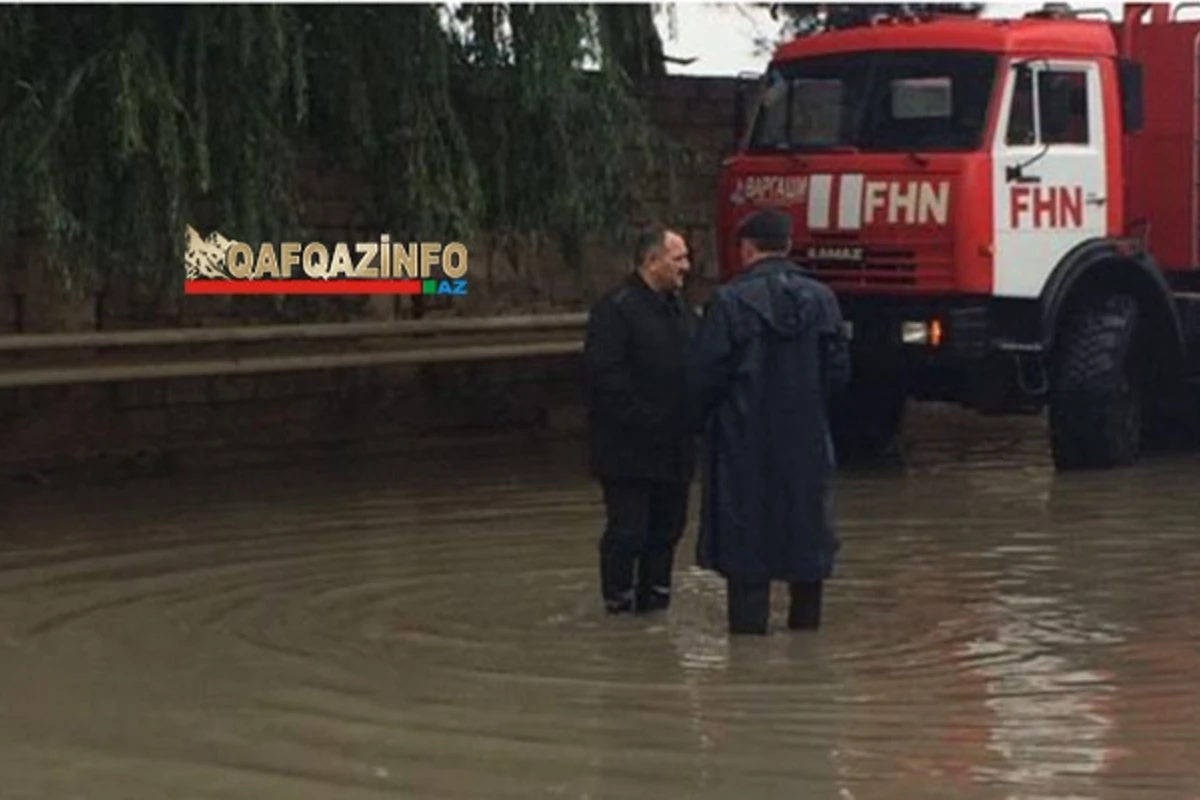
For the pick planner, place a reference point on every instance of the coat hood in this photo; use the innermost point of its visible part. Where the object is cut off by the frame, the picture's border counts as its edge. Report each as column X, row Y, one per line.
column 781, row 294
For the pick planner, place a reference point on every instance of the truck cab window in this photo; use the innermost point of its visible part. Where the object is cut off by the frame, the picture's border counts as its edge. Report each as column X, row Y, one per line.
column 881, row 102
column 770, row 125
column 1021, row 130
column 1063, row 106
column 1060, row 97
column 822, row 103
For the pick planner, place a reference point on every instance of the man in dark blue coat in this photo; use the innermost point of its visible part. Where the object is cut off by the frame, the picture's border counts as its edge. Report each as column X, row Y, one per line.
column 769, row 351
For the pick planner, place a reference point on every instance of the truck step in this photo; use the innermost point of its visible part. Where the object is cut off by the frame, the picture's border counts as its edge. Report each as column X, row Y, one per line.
column 1018, row 347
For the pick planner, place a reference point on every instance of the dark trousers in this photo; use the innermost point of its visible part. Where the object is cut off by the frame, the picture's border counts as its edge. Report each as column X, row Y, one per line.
column 749, row 606
column 645, row 521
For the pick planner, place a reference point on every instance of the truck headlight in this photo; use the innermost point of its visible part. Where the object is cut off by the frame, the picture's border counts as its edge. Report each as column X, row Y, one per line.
column 921, row 332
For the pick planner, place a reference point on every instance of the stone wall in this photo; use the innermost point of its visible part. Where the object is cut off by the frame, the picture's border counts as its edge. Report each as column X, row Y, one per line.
column 264, row 416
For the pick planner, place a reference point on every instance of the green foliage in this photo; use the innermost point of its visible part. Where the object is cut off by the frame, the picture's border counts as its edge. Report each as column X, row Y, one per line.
column 110, row 136
column 557, row 147
column 804, row 19
column 121, row 124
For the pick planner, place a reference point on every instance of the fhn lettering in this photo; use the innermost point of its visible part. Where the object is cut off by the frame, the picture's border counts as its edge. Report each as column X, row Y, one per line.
column 908, row 202
column 1045, row 207
column 851, row 202
column 371, row 260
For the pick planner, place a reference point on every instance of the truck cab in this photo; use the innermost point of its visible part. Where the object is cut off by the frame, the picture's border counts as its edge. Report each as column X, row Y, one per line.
column 950, row 179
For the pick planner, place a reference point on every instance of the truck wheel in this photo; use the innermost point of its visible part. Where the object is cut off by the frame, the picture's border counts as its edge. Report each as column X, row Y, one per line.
column 865, row 420
column 1095, row 401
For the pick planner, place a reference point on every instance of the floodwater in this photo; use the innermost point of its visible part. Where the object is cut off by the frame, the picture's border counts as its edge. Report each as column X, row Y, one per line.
column 429, row 628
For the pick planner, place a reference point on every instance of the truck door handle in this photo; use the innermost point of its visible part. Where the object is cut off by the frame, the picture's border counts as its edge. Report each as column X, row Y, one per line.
column 1096, row 199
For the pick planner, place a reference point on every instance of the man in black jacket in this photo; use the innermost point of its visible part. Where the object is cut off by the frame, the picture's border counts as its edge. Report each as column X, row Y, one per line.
column 640, row 449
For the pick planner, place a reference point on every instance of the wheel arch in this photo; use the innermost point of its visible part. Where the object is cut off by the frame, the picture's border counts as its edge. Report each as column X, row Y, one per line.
column 1106, row 266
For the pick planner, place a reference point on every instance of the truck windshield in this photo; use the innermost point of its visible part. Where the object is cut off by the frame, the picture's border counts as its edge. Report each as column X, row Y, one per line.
column 876, row 102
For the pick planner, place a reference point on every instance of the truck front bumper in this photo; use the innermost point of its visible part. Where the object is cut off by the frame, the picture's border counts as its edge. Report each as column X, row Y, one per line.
column 943, row 331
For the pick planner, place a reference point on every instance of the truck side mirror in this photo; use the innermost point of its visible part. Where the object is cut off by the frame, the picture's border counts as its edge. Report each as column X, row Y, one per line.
column 1129, row 75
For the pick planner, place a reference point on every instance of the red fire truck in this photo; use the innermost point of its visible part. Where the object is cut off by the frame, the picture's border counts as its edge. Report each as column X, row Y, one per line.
column 1008, row 211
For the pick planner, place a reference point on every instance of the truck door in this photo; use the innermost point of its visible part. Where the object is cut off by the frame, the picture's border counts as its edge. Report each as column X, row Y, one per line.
column 1049, row 181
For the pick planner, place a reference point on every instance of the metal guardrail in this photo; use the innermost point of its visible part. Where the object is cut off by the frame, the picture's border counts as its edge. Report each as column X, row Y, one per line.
column 90, row 369
column 75, row 374
column 27, row 342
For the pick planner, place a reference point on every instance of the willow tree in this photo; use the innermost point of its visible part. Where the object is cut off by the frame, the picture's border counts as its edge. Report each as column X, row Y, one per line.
column 558, row 148
column 120, row 124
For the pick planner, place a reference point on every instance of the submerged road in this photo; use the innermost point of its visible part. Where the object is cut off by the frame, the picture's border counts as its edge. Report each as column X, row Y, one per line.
column 429, row 627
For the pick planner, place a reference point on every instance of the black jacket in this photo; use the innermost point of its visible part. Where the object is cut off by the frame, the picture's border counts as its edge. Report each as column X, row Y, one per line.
column 635, row 354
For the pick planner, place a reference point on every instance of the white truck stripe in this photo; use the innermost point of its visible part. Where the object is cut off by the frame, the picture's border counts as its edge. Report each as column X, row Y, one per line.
column 819, row 189
column 850, row 200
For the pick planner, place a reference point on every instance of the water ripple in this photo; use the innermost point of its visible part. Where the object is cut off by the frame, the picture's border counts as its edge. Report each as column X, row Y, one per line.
column 431, row 629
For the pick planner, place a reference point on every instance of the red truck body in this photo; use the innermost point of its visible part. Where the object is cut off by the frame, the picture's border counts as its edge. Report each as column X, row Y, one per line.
column 1162, row 179
column 979, row 193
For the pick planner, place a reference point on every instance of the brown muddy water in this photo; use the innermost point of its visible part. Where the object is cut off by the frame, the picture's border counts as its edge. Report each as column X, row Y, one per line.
column 428, row 627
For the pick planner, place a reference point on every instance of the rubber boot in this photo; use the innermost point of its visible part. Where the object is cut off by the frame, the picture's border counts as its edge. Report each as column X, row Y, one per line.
column 749, row 607
column 805, row 611
column 616, row 577
column 654, row 580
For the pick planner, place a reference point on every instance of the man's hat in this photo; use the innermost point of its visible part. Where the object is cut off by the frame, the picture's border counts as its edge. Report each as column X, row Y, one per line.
column 766, row 224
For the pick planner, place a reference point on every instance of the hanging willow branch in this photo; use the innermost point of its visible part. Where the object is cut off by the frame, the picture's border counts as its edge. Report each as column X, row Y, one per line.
column 121, row 124
column 109, row 141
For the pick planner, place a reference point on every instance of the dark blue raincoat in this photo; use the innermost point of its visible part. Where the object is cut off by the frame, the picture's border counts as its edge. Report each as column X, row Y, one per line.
column 769, row 351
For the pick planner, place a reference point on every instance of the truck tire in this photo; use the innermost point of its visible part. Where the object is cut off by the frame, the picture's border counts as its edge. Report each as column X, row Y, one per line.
column 1095, row 400
column 866, row 419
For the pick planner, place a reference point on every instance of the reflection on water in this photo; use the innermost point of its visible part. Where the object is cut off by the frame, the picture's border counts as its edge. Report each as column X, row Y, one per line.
column 429, row 628
column 1050, row 723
